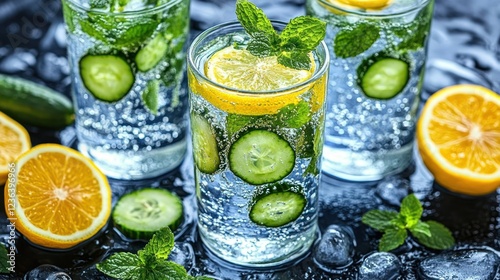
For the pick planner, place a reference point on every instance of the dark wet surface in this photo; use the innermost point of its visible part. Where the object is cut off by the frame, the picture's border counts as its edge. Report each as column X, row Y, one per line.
column 464, row 48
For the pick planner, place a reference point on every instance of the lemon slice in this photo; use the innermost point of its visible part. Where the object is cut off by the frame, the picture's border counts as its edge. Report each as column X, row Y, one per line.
column 365, row 4
column 458, row 136
column 238, row 69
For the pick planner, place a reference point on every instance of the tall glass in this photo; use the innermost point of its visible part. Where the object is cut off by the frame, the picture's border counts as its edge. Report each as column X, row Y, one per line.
column 257, row 158
column 377, row 67
column 127, row 62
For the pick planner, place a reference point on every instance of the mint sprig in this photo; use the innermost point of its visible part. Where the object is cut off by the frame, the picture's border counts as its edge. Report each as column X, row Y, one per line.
column 149, row 263
column 4, row 265
column 300, row 36
column 395, row 226
column 352, row 42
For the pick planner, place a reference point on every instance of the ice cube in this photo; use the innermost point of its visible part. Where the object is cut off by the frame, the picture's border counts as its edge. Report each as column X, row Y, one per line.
column 335, row 249
column 471, row 264
column 380, row 266
column 183, row 254
column 47, row 272
column 393, row 189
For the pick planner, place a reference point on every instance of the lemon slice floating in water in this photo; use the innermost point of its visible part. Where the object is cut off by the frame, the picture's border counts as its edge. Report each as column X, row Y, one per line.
column 238, row 69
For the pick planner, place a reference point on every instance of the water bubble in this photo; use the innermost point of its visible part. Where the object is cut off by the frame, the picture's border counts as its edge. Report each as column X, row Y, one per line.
column 380, row 266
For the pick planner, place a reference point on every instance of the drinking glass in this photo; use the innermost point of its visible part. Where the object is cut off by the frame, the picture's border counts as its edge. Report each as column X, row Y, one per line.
column 127, row 61
column 376, row 71
column 257, row 156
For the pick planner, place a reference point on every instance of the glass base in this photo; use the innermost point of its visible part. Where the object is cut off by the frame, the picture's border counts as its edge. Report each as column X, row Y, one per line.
column 136, row 165
column 365, row 166
column 274, row 254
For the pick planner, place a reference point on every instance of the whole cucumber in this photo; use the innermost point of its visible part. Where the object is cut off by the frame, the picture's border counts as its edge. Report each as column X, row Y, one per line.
column 34, row 104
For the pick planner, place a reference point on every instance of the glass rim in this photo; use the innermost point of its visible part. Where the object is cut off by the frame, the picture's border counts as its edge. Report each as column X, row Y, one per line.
column 318, row 73
column 76, row 4
column 361, row 13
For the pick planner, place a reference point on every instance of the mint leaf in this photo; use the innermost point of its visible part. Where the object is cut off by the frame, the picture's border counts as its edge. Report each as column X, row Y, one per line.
column 150, row 96
column 421, row 228
column 300, row 36
column 350, row 43
column 168, row 270
column 392, row 239
column 4, row 266
column 236, row 122
column 295, row 60
column 411, row 210
column 99, row 4
column 414, row 36
column 160, row 245
column 253, row 19
column 303, row 33
column 122, row 265
column 295, row 115
column 134, row 34
column 261, row 46
column 90, row 29
column 379, row 219
column 440, row 237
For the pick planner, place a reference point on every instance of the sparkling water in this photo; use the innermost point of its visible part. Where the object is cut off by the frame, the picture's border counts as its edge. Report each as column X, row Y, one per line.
column 225, row 200
column 368, row 138
column 130, row 139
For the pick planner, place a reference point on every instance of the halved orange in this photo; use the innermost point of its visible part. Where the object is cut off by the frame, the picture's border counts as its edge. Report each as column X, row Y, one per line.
column 458, row 136
column 58, row 197
column 243, row 74
column 14, row 140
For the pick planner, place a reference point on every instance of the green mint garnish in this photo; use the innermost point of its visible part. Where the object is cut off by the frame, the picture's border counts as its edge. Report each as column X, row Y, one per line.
column 4, row 266
column 352, row 42
column 99, row 4
column 301, row 36
column 150, row 96
column 395, row 226
column 295, row 115
column 149, row 263
column 413, row 37
column 290, row 116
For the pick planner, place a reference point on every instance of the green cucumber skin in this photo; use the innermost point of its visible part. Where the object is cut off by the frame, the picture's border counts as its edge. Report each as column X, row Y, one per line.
column 34, row 104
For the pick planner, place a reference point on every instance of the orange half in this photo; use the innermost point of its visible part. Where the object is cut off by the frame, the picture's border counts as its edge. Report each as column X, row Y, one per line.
column 458, row 135
column 14, row 140
column 58, row 196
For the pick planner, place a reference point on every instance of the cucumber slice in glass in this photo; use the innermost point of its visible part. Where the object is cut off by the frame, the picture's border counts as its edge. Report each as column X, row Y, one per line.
column 149, row 56
column 108, row 77
column 205, row 149
column 260, row 157
column 139, row 214
column 277, row 206
column 385, row 78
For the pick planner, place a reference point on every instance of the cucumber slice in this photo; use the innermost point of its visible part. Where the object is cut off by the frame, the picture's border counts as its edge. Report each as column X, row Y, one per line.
column 260, row 157
column 149, row 56
column 108, row 77
column 385, row 78
column 141, row 213
column 205, row 150
column 277, row 206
